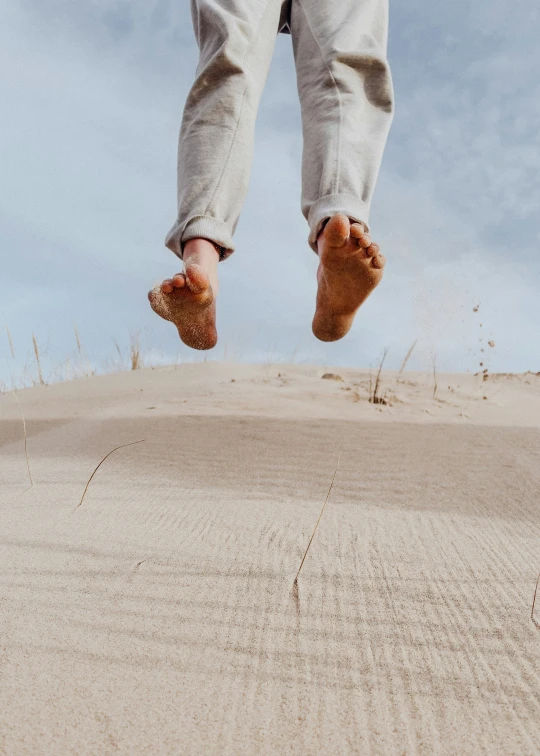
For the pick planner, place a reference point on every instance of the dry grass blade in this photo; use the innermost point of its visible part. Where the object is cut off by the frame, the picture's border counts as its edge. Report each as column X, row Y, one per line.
column 10, row 343
column 135, row 352
column 36, row 352
column 118, row 350
column 534, row 621
column 77, row 339
column 434, row 376
column 132, row 443
column 84, row 361
column 25, row 439
column 318, row 521
column 408, row 356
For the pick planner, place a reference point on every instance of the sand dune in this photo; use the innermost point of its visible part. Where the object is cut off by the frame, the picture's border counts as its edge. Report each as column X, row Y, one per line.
column 158, row 617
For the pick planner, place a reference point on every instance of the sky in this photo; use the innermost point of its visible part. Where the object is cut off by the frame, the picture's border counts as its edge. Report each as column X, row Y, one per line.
column 92, row 97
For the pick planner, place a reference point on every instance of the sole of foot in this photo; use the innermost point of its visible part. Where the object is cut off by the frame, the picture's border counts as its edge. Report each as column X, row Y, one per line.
column 187, row 300
column 350, row 267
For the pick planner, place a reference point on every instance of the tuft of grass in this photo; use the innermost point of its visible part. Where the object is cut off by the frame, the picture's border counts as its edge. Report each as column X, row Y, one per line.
column 135, row 352
column 374, row 395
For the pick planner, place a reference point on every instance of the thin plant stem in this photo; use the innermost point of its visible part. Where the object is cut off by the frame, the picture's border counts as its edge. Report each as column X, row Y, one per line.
column 375, row 396
column 25, row 439
column 407, row 356
column 10, row 343
column 132, row 443
column 534, row 621
column 77, row 339
column 36, row 352
column 118, row 350
column 318, row 521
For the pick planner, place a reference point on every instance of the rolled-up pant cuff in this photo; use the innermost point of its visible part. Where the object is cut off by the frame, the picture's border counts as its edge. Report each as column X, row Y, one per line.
column 326, row 207
column 200, row 227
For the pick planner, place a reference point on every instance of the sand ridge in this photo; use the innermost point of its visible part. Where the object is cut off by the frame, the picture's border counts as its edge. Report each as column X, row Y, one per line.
column 159, row 616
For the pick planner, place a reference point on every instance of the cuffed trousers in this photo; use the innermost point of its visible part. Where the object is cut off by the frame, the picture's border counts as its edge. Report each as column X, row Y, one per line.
column 346, row 97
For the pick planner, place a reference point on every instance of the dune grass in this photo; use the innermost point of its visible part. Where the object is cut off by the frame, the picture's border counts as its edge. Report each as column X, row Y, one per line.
column 25, row 439
column 318, row 521
column 96, row 468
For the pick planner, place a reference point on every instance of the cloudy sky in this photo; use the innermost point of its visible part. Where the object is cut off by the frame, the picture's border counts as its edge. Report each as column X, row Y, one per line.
column 92, row 96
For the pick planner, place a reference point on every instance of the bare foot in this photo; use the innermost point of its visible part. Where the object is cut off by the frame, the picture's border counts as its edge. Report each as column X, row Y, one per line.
column 188, row 299
column 350, row 268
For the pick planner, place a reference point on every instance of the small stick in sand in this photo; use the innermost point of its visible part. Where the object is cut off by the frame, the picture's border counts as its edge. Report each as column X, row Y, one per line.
column 25, row 438
column 318, row 521
column 132, row 443
column 534, row 621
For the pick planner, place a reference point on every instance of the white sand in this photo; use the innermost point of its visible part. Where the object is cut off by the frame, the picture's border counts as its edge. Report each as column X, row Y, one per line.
column 158, row 617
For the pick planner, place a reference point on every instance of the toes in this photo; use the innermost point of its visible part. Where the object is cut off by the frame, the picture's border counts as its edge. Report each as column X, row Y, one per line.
column 364, row 241
column 157, row 301
column 337, row 230
column 179, row 281
column 357, row 230
column 176, row 282
column 372, row 250
column 196, row 279
column 378, row 261
column 359, row 233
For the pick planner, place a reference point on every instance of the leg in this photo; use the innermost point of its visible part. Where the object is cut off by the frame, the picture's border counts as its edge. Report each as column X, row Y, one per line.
column 346, row 96
column 236, row 41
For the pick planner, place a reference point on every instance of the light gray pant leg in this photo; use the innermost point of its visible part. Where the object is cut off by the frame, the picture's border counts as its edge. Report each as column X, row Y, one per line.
column 346, row 95
column 236, row 40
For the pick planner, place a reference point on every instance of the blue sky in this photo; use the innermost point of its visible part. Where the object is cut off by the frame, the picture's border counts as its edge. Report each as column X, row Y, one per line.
column 92, row 99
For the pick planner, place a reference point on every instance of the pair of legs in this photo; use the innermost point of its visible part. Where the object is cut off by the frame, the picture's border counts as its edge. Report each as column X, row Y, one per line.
column 345, row 92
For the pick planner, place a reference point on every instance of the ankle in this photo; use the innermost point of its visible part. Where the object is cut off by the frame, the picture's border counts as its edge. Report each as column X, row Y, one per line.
column 202, row 252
